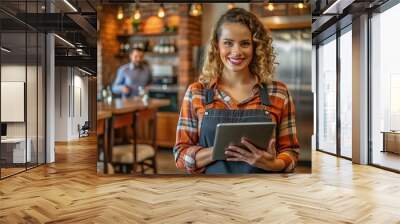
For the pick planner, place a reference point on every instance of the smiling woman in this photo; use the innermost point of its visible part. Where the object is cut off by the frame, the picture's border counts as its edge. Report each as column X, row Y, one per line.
column 237, row 86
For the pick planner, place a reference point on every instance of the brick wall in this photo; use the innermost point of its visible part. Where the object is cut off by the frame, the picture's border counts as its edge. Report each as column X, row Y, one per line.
column 109, row 27
column 189, row 36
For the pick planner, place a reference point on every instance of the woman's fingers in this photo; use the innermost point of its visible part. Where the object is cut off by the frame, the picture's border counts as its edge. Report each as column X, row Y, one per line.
column 237, row 149
column 269, row 154
column 271, row 148
column 249, row 145
column 251, row 153
column 234, row 155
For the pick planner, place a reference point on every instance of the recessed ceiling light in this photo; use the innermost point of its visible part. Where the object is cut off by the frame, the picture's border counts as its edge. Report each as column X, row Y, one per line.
column 84, row 71
column 70, row 5
column 5, row 50
column 65, row 41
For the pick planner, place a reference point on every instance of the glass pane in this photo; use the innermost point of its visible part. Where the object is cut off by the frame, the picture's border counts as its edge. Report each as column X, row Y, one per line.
column 41, row 99
column 385, row 89
column 31, row 97
column 31, row 87
column 346, row 94
column 327, row 97
column 13, row 85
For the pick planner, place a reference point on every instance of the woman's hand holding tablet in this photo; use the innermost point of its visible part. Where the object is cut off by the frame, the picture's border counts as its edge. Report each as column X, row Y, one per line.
column 253, row 155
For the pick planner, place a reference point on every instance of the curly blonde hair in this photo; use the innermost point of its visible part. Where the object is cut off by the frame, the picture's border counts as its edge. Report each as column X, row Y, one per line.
column 262, row 64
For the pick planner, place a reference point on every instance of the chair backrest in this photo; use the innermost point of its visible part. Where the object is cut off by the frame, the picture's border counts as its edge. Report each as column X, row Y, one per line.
column 100, row 127
column 86, row 126
column 146, row 126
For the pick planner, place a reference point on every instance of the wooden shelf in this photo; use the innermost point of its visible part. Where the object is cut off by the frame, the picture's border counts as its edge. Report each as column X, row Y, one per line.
column 151, row 54
column 128, row 36
column 161, row 54
column 119, row 55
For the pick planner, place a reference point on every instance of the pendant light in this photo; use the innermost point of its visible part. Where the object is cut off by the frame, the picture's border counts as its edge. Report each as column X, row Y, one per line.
column 161, row 11
column 120, row 13
column 136, row 12
column 195, row 9
column 269, row 7
column 300, row 5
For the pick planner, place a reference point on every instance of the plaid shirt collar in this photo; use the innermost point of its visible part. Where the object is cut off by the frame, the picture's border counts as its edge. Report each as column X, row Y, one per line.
column 218, row 93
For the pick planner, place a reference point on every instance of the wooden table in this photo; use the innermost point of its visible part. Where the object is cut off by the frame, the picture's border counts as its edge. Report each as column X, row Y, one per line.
column 129, row 105
column 123, row 114
column 391, row 141
column 103, row 129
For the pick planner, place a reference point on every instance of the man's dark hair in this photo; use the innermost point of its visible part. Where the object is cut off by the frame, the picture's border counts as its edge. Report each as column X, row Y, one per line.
column 136, row 49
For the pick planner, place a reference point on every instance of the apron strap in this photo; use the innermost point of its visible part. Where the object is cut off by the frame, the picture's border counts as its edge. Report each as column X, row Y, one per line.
column 264, row 95
column 209, row 94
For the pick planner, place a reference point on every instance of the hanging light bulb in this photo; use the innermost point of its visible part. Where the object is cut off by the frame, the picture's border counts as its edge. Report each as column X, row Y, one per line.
column 231, row 5
column 161, row 11
column 120, row 13
column 300, row 5
column 270, row 7
column 136, row 14
column 196, row 9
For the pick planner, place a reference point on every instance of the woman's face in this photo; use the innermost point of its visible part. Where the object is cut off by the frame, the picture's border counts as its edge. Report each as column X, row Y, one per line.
column 235, row 46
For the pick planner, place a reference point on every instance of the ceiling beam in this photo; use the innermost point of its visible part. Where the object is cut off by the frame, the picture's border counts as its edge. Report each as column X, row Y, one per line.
column 82, row 61
column 84, row 24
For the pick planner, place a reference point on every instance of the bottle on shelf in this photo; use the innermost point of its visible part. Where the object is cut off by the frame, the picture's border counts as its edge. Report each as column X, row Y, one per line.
column 174, row 46
column 156, row 48
column 127, row 47
column 171, row 46
column 162, row 48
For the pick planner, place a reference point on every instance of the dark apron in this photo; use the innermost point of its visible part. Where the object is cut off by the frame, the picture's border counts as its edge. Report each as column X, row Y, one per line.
column 212, row 117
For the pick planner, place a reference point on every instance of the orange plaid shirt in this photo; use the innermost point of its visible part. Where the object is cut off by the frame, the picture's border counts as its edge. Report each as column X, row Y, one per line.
column 282, row 112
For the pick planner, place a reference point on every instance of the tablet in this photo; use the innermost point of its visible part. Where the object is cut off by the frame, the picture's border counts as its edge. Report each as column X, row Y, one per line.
column 259, row 134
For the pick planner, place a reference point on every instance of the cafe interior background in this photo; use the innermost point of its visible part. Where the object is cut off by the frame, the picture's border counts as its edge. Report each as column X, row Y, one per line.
column 174, row 37
column 48, row 56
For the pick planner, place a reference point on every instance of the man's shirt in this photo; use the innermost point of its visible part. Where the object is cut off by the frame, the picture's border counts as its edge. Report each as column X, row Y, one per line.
column 132, row 76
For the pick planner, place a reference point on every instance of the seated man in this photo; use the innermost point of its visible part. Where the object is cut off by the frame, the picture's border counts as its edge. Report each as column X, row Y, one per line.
column 132, row 76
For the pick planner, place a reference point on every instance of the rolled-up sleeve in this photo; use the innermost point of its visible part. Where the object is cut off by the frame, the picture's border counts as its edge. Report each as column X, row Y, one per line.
column 288, row 145
column 187, row 137
column 119, row 82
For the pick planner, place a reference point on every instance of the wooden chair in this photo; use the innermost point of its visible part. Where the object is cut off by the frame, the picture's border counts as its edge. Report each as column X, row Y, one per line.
column 143, row 150
column 83, row 131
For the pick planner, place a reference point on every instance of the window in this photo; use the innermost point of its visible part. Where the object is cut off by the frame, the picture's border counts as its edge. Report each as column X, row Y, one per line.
column 346, row 94
column 385, row 87
column 327, row 96
column 22, row 75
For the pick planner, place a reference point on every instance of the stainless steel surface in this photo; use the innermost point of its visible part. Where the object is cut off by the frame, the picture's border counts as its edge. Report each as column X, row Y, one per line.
column 162, row 70
column 293, row 49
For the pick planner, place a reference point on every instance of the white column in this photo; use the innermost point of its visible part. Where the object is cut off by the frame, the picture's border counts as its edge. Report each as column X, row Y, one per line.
column 50, row 94
column 360, row 90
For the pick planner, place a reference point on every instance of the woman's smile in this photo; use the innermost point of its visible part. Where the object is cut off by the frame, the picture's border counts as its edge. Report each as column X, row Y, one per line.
column 235, row 60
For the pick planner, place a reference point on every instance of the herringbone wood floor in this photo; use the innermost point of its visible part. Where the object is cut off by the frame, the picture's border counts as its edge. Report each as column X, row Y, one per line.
column 70, row 191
